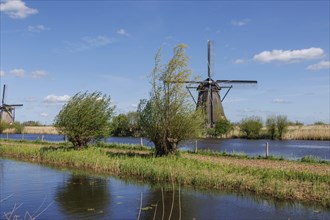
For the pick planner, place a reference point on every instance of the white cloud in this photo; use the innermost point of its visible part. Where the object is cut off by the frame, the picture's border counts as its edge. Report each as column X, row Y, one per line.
column 239, row 61
column 88, row 43
column 54, row 99
column 38, row 74
column 17, row 9
column 2, row 73
column 37, row 28
column 44, row 114
column 18, row 72
column 280, row 101
column 123, row 32
column 289, row 55
column 240, row 22
column 321, row 65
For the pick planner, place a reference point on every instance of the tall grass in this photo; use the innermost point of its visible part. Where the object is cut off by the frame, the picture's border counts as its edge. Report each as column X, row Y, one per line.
column 309, row 132
column 279, row 183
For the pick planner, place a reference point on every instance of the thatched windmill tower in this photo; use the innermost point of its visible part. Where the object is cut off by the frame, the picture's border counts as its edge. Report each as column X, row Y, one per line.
column 7, row 111
column 209, row 99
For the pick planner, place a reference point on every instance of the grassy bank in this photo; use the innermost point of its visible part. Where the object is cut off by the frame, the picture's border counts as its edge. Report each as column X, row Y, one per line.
column 287, row 180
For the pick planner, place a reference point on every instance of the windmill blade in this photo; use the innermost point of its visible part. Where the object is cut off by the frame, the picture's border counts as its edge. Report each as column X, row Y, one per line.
column 237, row 81
column 16, row 105
column 192, row 82
column 210, row 60
column 3, row 94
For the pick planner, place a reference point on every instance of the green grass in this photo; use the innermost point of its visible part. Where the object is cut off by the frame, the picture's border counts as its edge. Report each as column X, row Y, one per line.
column 125, row 161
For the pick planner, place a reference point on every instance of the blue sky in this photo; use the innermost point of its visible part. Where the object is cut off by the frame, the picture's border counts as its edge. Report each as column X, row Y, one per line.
column 50, row 50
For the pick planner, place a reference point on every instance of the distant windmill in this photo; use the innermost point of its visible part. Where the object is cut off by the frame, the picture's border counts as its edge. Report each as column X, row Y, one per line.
column 209, row 99
column 7, row 111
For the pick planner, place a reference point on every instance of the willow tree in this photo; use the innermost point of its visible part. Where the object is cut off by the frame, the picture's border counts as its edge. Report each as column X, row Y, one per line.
column 168, row 116
column 86, row 117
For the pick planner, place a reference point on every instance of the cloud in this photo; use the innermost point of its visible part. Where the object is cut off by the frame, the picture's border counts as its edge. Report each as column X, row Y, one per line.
column 44, row 114
column 54, row 99
column 123, row 32
column 89, row 43
column 38, row 74
column 2, row 73
column 289, row 55
column 20, row 73
column 38, row 28
column 281, row 101
column 239, row 61
column 240, row 22
column 321, row 65
column 17, row 9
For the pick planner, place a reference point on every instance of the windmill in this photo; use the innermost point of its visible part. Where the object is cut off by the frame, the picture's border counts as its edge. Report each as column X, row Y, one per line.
column 7, row 111
column 209, row 99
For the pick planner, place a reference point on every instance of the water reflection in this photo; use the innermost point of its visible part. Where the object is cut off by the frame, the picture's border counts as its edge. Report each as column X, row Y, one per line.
column 83, row 196
column 86, row 196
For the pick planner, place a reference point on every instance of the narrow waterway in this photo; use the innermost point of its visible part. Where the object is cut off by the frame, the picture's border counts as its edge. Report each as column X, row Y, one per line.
column 288, row 149
column 49, row 193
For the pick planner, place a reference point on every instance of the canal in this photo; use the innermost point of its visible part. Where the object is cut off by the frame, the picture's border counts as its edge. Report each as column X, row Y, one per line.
column 288, row 149
column 49, row 193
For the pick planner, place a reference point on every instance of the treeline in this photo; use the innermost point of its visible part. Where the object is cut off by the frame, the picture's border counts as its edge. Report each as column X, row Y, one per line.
column 274, row 127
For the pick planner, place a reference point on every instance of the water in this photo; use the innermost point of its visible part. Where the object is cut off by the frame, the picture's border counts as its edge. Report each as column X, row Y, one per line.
column 288, row 149
column 64, row 194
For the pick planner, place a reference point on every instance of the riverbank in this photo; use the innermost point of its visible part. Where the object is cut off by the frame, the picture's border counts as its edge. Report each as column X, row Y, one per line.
column 297, row 132
column 285, row 180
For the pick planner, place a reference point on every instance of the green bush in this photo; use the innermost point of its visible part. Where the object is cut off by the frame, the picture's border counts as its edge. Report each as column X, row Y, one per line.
column 222, row 127
column 251, row 126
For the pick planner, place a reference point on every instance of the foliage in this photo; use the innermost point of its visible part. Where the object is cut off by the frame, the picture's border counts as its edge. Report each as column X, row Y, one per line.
column 251, row 127
column 3, row 126
column 277, row 126
column 282, row 123
column 222, row 127
column 119, row 125
column 126, row 124
column 31, row 123
column 169, row 117
column 86, row 117
column 296, row 123
column 271, row 127
column 18, row 127
column 319, row 123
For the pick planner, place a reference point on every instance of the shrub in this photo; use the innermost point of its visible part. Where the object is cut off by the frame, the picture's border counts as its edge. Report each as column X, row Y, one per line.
column 222, row 127
column 251, row 127
column 281, row 123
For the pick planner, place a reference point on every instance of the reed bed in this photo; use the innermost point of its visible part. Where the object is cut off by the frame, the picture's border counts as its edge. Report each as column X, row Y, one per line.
column 308, row 132
column 277, row 179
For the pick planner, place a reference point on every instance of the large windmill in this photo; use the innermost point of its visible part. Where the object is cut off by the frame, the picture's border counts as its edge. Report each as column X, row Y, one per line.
column 209, row 99
column 7, row 111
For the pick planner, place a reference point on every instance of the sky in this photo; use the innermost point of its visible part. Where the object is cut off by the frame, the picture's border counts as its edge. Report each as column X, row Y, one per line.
column 51, row 50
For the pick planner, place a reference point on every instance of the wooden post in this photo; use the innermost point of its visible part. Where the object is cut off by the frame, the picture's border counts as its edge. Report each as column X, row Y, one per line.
column 7, row 135
column 196, row 146
column 42, row 138
column 266, row 150
column 141, row 141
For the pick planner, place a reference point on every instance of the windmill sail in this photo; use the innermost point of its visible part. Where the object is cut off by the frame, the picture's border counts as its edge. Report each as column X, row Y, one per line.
column 209, row 99
column 7, row 111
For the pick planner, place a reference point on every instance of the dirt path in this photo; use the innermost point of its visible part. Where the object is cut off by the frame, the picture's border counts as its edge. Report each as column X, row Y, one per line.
column 266, row 164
